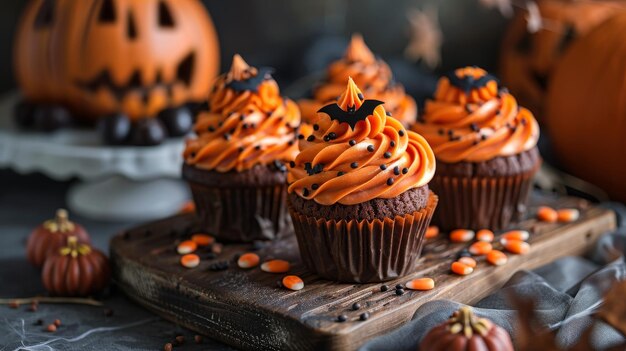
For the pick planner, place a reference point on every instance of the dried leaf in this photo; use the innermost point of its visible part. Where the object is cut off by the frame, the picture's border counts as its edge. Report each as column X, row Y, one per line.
column 426, row 37
column 613, row 311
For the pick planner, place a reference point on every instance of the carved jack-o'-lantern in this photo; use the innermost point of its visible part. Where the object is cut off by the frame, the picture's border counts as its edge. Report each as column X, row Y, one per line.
column 104, row 57
column 586, row 104
column 527, row 59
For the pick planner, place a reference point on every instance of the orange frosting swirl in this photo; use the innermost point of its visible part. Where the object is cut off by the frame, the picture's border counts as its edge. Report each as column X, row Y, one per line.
column 377, row 158
column 246, row 124
column 373, row 74
column 471, row 119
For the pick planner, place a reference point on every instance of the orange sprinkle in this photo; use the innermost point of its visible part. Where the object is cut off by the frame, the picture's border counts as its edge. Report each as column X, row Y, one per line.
column 293, row 282
column 190, row 260
column 484, row 235
column 516, row 235
column 202, row 239
column 461, row 269
column 547, row 214
column 480, row 248
column 567, row 215
column 421, row 284
column 461, row 235
column 516, row 246
column 248, row 260
column 497, row 258
column 275, row 266
column 432, row 232
column 468, row 261
column 186, row 247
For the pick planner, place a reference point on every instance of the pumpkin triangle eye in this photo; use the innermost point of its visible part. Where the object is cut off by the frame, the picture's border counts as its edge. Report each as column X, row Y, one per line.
column 131, row 29
column 107, row 11
column 165, row 15
column 185, row 68
column 45, row 15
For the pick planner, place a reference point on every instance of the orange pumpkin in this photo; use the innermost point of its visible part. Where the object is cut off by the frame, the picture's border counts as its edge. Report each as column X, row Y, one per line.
column 76, row 270
column 463, row 331
column 100, row 57
column 527, row 60
column 51, row 235
column 586, row 108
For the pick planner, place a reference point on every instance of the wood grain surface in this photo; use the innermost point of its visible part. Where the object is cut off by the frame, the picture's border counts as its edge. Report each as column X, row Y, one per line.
column 248, row 309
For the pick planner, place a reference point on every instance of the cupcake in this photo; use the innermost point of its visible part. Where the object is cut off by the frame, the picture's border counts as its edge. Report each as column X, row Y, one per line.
column 358, row 192
column 486, row 149
column 236, row 164
column 370, row 73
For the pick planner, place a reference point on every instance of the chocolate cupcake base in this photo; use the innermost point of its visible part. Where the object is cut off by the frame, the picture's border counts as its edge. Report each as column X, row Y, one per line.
column 241, row 206
column 362, row 250
column 491, row 195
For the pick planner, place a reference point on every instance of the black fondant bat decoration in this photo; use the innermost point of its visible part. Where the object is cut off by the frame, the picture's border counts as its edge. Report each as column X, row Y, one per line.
column 252, row 83
column 468, row 83
column 352, row 116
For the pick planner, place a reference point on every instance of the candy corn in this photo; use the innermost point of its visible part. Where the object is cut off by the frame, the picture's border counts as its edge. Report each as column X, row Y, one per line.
column 421, row 284
column 567, row 215
column 275, row 266
column 248, row 260
column 461, row 269
column 432, row 232
column 547, row 214
column 190, row 260
column 480, row 248
column 186, row 247
column 202, row 239
column 516, row 246
column 484, row 235
column 293, row 282
column 497, row 258
column 468, row 261
column 461, row 235
column 516, row 235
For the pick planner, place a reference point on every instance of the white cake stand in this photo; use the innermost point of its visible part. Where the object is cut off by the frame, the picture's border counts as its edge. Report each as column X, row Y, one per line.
column 116, row 183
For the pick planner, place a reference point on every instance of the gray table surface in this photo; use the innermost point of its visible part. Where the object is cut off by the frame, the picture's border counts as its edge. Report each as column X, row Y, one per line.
column 25, row 201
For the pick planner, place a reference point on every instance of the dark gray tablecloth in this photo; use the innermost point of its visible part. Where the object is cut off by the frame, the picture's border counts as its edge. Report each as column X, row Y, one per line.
column 566, row 289
column 566, row 292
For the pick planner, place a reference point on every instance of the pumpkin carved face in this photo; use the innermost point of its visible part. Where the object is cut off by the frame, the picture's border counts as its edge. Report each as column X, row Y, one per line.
column 100, row 57
column 527, row 60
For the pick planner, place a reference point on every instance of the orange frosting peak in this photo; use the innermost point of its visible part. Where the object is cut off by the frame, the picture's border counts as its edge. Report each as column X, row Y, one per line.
column 358, row 51
column 352, row 98
column 240, row 70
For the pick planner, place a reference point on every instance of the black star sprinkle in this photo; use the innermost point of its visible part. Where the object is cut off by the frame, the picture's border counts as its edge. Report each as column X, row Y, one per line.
column 405, row 170
column 370, row 148
column 396, row 170
column 352, row 142
column 383, row 166
column 354, row 165
column 387, row 154
column 390, row 181
column 310, row 138
column 316, row 127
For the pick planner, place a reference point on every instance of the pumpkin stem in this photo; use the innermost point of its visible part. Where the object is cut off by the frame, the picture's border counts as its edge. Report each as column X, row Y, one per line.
column 74, row 248
column 464, row 320
column 60, row 223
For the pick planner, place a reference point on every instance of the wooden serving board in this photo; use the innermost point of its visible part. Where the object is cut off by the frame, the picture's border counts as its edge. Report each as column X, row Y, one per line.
column 249, row 310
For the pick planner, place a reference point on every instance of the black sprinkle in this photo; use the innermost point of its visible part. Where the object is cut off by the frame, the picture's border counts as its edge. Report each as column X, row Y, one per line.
column 310, row 138
column 450, row 132
column 227, row 136
column 314, row 186
column 387, row 154
column 405, row 170
column 292, row 164
column 245, row 126
column 383, row 166
column 441, row 132
column 352, row 142
column 211, row 129
column 300, row 136
column 305, row 192
column 342, row 318
column 388, row 113
column 474, row 127
column 232, row 131
column 360, row 96
column 242, row 117
column 340, row 173
column 384, row 288
column 399, row 292
column 290, row 143
column 396, row 170
column 370, row 148
column 399, row 286
column 401, row 132
column 390, row 181
column 240, row 149
column 392, row 143
column 364, row 316
column 455, row 138
column 354, row 165
column 356, row 306
column 39, row 322
column 464, row 253
column 316, row 127
column 332, row 135
column 258, row 147
column 483, row 137
column 220, row 124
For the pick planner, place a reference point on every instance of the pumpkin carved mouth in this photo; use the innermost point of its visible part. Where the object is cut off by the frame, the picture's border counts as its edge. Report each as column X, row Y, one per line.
column 136, row 83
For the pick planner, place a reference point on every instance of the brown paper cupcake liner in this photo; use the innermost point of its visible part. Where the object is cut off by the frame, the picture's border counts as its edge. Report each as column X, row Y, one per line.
column 242, row 214
column 481, row 202
column 362, row 251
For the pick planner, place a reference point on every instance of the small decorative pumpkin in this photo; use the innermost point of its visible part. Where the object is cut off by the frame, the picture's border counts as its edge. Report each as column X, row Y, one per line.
column 463, row 331
column 98, row 58
column 527, row 60
column 586, row 104
column 76, row 270
column 51, row 235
